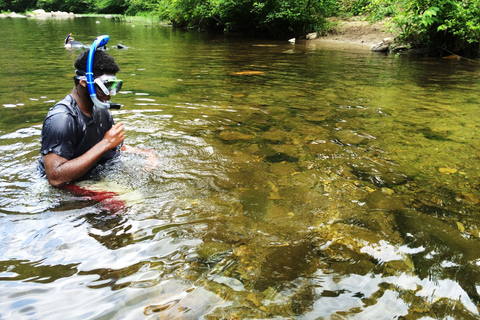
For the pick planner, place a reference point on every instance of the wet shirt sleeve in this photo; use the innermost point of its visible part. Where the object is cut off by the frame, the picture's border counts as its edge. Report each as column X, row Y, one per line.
column 59, row 135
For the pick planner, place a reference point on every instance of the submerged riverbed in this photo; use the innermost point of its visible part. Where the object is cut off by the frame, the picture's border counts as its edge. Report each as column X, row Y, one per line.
column 295, row 181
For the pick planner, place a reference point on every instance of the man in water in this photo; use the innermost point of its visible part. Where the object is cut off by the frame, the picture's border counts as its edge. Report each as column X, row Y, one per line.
column 76, row 136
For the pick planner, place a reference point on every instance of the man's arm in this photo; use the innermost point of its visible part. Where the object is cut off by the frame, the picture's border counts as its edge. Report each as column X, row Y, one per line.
column 60, row 170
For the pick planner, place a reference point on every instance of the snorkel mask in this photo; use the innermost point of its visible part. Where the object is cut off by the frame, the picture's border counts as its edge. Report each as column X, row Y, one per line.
column 109, row 84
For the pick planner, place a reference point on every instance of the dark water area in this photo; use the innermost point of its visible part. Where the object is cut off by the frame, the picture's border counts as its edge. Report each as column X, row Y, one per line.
column 294, row 181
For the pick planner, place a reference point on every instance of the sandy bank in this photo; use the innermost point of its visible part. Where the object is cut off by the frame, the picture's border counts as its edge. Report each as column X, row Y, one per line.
column 358, row 32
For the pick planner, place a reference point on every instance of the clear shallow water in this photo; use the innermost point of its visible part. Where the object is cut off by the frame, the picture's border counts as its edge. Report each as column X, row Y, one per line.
column 332, row 183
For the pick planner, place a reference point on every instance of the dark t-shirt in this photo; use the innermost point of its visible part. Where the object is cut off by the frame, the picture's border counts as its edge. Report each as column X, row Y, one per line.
column 69, row 133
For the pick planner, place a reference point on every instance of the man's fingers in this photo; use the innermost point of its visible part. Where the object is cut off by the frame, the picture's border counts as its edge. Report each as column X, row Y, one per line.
column 119, row 126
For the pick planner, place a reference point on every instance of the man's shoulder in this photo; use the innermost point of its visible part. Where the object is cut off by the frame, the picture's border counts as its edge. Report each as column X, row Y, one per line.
column 67, row 104
column 62, row 114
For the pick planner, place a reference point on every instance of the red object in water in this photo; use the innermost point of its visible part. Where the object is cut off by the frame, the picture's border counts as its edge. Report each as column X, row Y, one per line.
column 107, row 198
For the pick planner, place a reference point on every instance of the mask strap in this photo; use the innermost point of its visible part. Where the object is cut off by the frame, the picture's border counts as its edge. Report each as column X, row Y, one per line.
column 102, row 86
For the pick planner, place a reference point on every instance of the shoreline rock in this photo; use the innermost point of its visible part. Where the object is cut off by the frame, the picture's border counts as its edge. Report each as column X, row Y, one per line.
column 388, row 45
column 42, row 14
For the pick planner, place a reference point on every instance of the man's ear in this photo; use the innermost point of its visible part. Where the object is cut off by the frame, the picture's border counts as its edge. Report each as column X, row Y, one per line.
column 83, row 83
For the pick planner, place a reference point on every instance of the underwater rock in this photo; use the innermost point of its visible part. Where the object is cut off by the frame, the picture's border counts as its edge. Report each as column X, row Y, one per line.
column 275, row 136
column 282, row 169
column 317, row 116
column 435, row 134
column 378, row 174
column 380, row 200
column 280, row 157
column 252, row 148
column 469, row 198
column 233, row 135
column 310, row 131
column 323, row 148
column 295, row 258
column 255, row 298
column 207, row 250
column 443, row 240
column 344, row 171
column 255, row 204
column 349, row 137
column 287, row 149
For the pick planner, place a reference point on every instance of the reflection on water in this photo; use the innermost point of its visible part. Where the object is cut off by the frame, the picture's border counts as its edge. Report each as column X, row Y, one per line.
column 294, row 181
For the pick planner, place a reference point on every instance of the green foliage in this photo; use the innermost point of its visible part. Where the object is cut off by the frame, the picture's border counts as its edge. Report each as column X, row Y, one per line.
column 373, row 10
column 186, row 13
column 463, row 21
column 143, row 18
column 450, row 24
column 17, row 5
column 378, row 10
column 66, row 5
column 135, row 7
column 110, row 6
column 278, row 18
column 352, row 7
column 288, row 18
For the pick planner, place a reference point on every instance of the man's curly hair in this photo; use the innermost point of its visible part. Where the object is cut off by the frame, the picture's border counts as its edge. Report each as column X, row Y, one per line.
column 103, row 63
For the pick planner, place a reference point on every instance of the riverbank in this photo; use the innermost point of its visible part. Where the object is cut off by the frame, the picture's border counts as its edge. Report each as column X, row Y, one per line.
column 359, row 32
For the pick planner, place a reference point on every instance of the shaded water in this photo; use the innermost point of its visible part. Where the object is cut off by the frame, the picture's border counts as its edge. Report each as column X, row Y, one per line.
column 334, row 183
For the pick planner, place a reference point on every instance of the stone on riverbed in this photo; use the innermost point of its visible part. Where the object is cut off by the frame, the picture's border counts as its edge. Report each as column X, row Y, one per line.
column 317, row 116
column 209, row 249
column 349, row 137
column 233, row 136
column 378, row 174
column 288, row 149
column 275, row 136
column 324, row 148
column 468, row 198
column 379, row 200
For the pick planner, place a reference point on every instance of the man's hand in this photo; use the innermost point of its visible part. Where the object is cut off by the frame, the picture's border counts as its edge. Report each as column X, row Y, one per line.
column 115, row 135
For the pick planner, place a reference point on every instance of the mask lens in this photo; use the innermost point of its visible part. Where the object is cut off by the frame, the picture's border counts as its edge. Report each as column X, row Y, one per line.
column 109, row 84
column 114, row 86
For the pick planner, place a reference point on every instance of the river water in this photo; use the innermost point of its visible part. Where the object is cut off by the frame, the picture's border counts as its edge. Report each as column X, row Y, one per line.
column 294, row 181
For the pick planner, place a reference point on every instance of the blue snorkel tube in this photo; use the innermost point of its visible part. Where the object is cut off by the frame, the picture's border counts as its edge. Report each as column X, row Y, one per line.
column 99, row 42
